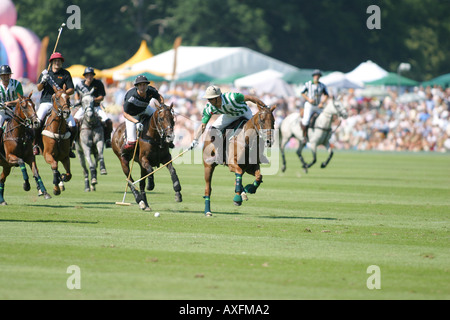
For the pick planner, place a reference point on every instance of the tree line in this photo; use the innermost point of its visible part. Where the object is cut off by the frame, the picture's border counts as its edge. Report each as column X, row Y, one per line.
column 327, row 34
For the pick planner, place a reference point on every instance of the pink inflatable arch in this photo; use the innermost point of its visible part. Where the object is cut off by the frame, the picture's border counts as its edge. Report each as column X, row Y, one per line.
column 13, row 50
column 31, row 45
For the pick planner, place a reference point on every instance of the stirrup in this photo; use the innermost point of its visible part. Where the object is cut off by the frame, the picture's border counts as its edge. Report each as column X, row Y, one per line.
column 36, row 151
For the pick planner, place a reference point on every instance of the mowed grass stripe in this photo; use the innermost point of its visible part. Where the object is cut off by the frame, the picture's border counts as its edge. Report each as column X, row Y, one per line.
column 301, row 236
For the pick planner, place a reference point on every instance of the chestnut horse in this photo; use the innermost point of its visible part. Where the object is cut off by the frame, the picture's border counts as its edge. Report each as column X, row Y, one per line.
column 17, row 147
column 245, row 149
column 152, row 150
column 55, row 139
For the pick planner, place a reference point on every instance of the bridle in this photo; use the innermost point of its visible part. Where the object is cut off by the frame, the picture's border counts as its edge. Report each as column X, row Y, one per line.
column 159, row 120
column 265, row 134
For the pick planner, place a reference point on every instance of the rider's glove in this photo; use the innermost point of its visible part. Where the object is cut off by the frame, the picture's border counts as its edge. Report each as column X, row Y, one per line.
column 194, row 144
column 139, row 127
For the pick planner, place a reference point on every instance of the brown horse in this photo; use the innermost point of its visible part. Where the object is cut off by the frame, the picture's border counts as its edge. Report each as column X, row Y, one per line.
column 245, row 150
column 55, row 139
column 18, row 146
column 152, row 150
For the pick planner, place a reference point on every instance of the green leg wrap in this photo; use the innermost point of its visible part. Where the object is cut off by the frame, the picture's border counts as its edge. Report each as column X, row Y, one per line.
column 40, row 184
column 24, row 171
column 238, row 185
column 207, row 204
column 251, row 188
column 2, row 189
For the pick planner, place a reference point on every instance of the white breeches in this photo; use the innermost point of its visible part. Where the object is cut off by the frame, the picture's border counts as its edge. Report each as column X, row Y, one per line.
column 225, row 120
column 44, row 109
column 131, row 126
column 309, row 109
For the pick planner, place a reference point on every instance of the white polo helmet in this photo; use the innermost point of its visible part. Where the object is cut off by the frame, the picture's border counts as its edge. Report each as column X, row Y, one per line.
column 212, row 92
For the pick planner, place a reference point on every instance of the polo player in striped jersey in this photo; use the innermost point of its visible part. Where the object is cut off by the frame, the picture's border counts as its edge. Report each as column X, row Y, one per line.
column 9, row 90
column 312, row 92
column 230, row 106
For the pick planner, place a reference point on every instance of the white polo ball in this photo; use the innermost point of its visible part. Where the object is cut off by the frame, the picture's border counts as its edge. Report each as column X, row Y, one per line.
column 156, row 214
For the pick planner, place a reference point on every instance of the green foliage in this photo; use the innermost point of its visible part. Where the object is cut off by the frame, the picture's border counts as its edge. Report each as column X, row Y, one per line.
column 327, row 34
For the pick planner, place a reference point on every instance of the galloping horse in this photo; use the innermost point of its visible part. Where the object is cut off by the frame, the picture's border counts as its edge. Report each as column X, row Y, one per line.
column 244, row 155
column 18, row 146
column 319, row 134
column 55, row 139
column 152, row 150
column 90, row 142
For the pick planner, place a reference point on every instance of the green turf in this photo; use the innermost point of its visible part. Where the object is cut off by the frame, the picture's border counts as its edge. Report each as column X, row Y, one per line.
column 301, row 236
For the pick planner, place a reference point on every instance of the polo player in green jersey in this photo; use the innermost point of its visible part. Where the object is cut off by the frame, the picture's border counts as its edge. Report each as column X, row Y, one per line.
column 230, row 106
column 9, row 90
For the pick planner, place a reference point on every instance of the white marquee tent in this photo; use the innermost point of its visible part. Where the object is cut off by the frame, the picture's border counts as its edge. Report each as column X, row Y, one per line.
column 339, row 80
column 365, row 72
column 218, row 62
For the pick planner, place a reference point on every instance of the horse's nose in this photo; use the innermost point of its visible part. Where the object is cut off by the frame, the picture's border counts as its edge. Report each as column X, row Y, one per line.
column 66, row 114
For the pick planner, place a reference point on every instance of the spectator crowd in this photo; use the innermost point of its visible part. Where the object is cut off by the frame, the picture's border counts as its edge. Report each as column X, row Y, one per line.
column 414, row 121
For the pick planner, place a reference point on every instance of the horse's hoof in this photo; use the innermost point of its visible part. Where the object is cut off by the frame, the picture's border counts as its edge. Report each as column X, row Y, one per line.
column 103, row 172
column 61, row 186
column 178, row 197
column 283, row 169
column 93, row 188
column 244, row 196
column 47, row 196
column 148, row 209
column 142, row 205
column 87, row 189
column 323, row 165
column 3, row 203
column 56, row 191
column 65, row 177
column 208, row 214
column 26, row 186
column 150, row 186
column 94, row 181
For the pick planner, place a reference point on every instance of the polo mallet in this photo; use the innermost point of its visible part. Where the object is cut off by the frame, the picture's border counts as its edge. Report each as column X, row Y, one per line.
column 57, row 40
column 123, row 203
column 165, row 165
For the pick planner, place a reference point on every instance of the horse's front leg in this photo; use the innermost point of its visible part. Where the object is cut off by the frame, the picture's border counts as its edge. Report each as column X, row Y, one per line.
column 299, row 154
column 330, row 155
column 100, row 159
column 56, row 175
column 283, row 143
column 14, row 160
column 5, row 173
column 91, row 164
column 314, row 155
column 175, row 182
column 39, row 183
column 209, row 170
column 146, row 168
column 252, row 187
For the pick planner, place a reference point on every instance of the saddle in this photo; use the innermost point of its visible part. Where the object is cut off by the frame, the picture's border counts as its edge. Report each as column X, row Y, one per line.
column 228, row 133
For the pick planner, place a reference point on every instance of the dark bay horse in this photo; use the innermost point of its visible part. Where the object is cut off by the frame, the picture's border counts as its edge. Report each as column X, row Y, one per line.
column 17, row 146
column 244, row 155
column 152, row 150
column 55, row 139
column 90, row 143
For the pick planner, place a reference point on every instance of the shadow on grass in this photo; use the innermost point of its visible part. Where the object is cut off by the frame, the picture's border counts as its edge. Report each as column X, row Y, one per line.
column 49, row 221
column 202, row 213
column 291, row 217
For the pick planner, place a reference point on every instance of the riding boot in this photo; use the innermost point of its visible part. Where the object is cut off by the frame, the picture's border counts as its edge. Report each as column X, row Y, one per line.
column 107, row 129
column 73, row 134
column 37, row 140
column 305, row 132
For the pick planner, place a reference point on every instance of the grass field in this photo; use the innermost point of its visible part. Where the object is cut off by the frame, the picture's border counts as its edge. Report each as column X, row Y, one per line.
column 299, row 237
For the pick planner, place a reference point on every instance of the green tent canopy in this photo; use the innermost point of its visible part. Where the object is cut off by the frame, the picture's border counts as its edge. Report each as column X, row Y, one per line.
column 148, row 75
column 298, row 77
column 196, row 77
column 393, row 79
column 443, row 81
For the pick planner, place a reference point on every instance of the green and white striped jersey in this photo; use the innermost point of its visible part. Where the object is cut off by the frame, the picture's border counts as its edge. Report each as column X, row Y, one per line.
column 233, row 104
column 10, row 92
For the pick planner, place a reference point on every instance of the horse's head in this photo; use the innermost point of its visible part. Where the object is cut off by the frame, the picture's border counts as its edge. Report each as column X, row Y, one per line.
column 25, row 111
column 87, row 103
column 341, row 111
column 264, row 124
column 61, row 102
column 165, row 122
